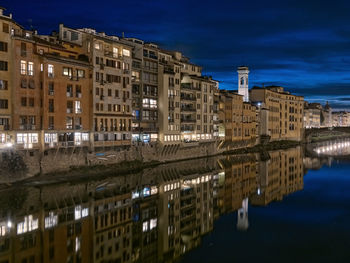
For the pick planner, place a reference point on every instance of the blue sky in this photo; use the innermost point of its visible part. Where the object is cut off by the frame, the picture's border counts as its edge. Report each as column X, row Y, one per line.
column 302, row 45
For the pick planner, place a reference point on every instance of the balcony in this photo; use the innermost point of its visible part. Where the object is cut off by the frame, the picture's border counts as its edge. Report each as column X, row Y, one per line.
column 187, row 128
column 168, row 70
column 126, row 71
column 147, row 129
column 189, row 86
column 4, row 127
column 191, row 109
column 27, row 127
column 190, row 98
column 188, row 120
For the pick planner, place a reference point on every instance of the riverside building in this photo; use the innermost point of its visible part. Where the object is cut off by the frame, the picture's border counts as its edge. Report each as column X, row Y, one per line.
column 111, row 84
column 7, row 27
column 280, row 113
column 240, row 120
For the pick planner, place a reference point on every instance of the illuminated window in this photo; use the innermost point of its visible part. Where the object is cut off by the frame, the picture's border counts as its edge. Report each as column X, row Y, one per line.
column 30, row 68
column 23, row 67
column 50, row 137
column 126, row 52
column 97, row 46
column 50, row 70
column 67, row 71
column 115, row 52
column 77, row 106
column 85, row 136
column 81, row 73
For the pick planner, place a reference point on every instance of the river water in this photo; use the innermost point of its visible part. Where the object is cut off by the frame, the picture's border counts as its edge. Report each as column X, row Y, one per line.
column 283, row 206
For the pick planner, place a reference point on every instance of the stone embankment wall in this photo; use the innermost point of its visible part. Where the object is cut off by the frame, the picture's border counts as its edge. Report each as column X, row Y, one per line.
column 17, row 165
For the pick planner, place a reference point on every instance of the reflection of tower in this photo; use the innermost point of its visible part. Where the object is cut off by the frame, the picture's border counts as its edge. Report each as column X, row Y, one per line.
column 242, row 216
column 243, row 82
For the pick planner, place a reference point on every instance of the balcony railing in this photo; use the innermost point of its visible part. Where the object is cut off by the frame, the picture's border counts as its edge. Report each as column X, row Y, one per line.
column 189, row 86
column 190, row 120
column 27, row 127
column 188, row 98
column 188, row 109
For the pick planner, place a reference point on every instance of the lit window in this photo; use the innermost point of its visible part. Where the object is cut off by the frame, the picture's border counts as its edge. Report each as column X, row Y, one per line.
column 30, row 68
column 23, row 67
column 41, row 67
column 115, row 52
column 153, row 103
column 126, row 52
column 81, row 73
column 50, row 70
column 85, row 136
column 97, row 46
column 77, row 106
column 67, row 71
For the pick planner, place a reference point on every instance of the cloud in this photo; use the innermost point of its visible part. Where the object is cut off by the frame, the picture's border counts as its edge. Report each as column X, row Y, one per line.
column 302, row 45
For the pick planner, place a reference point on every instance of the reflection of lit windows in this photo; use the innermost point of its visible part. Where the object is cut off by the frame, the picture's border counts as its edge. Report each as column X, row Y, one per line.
column 85, row 212
column 28, row 225
column 145, row 226
column 135, row 195
column 152, row 223
column 146, row 191
column 77, row 244
column 154, row 190
column 51, row 220
column 77, row 212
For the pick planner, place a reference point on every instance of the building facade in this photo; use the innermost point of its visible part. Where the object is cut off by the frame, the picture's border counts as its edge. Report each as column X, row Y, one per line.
column 281, row 113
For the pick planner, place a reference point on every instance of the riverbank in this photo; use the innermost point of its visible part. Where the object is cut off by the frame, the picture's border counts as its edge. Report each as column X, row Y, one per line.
column 83, row 165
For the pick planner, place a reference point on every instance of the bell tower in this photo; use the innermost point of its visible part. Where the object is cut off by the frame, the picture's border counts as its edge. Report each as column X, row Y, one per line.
column 243, row 73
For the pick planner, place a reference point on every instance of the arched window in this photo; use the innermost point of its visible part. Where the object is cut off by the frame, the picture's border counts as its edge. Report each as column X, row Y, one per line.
column 242, row 81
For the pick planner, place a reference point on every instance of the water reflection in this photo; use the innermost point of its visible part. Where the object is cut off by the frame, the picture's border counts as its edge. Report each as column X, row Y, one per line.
column 156, row 216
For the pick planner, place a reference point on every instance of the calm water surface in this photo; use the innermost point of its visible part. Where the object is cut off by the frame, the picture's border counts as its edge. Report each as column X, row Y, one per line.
column 279, row 207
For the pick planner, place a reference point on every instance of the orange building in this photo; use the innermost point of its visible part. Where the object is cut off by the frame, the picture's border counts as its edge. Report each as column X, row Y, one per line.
column 52, row 93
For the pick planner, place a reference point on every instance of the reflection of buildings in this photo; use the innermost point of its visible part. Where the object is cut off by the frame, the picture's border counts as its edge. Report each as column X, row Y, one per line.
column 279, row 176
column 156, row 216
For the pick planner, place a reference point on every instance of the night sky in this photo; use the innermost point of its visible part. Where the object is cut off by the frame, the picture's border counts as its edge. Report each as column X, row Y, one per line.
column 301, row 45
